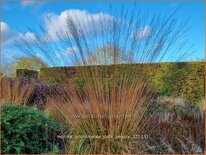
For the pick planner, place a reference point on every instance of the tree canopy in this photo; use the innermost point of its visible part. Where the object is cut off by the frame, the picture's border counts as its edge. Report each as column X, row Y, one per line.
column 30, row 63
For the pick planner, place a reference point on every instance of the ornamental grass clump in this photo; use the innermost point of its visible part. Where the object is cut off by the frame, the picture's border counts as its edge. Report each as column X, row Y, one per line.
column 106, row 114
column 17, row 91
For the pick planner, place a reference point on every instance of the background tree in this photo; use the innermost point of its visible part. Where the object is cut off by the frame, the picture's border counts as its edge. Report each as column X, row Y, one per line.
column 30, row 63
column 107, row 55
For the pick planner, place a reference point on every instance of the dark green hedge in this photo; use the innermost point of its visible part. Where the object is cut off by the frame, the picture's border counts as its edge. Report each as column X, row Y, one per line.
column 54, row 75
column 26, row 73
column 26, row 131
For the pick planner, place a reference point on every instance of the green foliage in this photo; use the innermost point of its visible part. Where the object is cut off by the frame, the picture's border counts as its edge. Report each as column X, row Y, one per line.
column 185, row 80
column 26, row 130
column 156, row 74
column 55, row 150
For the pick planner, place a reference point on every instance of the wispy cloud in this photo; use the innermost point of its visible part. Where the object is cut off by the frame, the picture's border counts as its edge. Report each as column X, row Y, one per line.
column 143, row 32
column 67, row 52
column 32, row 4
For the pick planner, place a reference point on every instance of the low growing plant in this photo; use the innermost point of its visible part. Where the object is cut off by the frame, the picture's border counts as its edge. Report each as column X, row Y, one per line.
column 27, row 130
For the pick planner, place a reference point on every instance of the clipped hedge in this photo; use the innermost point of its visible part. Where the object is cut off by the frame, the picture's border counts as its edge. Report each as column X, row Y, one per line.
column 26, row 73
column 182, row 79
column 27, row 131
column 185, row 80
column 54, row 75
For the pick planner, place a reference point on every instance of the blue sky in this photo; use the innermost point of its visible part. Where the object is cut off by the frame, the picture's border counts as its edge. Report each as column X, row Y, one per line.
column 18, row 16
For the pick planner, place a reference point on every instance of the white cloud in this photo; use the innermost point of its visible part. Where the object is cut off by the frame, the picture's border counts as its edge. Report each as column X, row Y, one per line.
column 7, row 33
column 28, row 36
column 9, row 36
column 143, row 32
column 57, row 23
column 67, row 52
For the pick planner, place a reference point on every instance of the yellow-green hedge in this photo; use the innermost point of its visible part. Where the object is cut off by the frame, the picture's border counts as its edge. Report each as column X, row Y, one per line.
column 183, row 79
